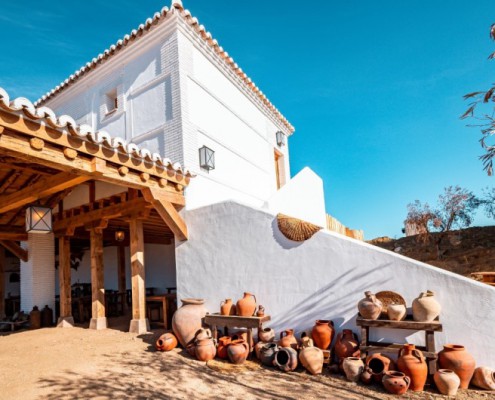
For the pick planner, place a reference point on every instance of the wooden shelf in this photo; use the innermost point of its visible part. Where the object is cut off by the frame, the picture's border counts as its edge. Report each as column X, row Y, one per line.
column 235, row 321
column 408, row 323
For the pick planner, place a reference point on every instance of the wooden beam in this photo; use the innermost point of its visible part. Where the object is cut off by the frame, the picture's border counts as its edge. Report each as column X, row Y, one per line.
column 64, row 277
column 167, row 212
column 2, row 283
column 137, row 269
column 9, row 180
column 98, row 320
column 15, row 235
column 121, row 269
column 15, row 249
column 41, row 189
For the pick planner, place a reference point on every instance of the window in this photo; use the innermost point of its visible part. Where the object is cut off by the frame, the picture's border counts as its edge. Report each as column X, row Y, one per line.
column 111, row 101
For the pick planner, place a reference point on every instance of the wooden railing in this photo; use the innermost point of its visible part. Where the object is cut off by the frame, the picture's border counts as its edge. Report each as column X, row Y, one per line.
column 336, row 226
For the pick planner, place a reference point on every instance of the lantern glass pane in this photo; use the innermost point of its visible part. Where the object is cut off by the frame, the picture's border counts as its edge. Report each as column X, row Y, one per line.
column 38, row 219
column 206, row 158
column 280, row 138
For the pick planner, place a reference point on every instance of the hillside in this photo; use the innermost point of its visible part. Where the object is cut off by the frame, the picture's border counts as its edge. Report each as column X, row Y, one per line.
column 463, row 251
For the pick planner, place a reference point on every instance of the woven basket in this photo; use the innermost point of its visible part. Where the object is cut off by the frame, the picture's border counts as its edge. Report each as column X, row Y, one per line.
column 296, row 229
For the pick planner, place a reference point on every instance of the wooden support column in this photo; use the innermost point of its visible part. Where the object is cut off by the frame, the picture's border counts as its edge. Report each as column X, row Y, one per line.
column 139, row 323
column 121, row 269
column 98, row 318
column 65, row 320
column 2, row 283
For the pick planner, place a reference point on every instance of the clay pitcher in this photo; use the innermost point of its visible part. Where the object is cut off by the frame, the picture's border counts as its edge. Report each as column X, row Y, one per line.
column 227, row 307
column 447, row 382
column 34, row 318
column 346, row 345
column 287, row 339
column 261, row 311
column 323, row 333
column 266, row 335
column 267, row 354
column 396, row 312
column 285, row 359
column 379, row 364
column 238, row 351
column 370, row 307
column 353, row 368
column 311, row 357
column 426, row 308
column 166, row 342
column 187, row 320
column 413, row 364
column 484, row 378
column 247, row 305
column 223, row 343
column 205, row 349
column 396, row 382
column 456, row 358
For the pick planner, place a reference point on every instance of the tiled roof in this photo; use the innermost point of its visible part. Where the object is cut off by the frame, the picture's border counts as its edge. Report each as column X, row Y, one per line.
column 85, row 132
column 150, row 23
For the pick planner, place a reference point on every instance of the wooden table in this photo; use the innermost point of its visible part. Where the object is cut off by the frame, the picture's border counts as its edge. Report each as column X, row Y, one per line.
column 428, row 327
column 234, row 321
column 163, row 299
column 14, row 324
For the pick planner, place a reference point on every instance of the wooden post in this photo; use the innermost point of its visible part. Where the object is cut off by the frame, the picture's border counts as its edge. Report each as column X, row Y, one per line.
column 139, row 323
column 65, row 320
column 98, row 319
column 121, row 269
column 2, row 283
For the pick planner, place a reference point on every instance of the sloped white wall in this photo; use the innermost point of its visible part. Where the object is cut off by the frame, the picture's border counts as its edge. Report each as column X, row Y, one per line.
column 234, row 248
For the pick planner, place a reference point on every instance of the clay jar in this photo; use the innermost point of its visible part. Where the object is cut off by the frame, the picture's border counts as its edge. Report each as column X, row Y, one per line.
column 227, row 307
column 353, row 368
column 34, row 318
column 311, row 357
column 346, row 345
column 285, row 359
column 447, row 382
column 242, row 335
column 323, row 333
column 205, row 349
column 396, row 312
column 202, row 333
column 266, row 335
column 188, row 319
column 378, row 365
column 238, row 351
column 166, row 342
column 247, row 305
column 413, row 364
column 396, row 382
column 223, row 342
column 484, row 378
column 267, row 354
column 261, row 311
column 456, row 358
column 426, row 308
column 287, row 339
column 370, row 307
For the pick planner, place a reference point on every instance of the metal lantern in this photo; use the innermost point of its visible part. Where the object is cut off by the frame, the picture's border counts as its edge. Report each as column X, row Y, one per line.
column 38, row 219
column 119, row 236
column 280, row 139
column 206, row 158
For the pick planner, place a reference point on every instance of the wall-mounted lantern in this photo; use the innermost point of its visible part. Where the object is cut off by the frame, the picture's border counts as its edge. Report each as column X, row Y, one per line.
column 280, row 139
column 206, row 158
column 38, row 219
column 119, row 236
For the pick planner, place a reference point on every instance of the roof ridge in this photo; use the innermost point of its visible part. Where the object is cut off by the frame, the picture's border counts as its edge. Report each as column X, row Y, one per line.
column 158, row 17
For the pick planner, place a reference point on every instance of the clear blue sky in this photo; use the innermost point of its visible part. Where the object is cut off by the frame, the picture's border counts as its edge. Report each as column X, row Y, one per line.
column 374, row 88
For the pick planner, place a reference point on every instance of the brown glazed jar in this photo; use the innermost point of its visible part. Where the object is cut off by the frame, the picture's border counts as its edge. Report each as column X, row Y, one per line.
column 346, row 345
column 35, row 318
column 413, row 364
column 456, row 358
column 323, row 333
column 247, row 305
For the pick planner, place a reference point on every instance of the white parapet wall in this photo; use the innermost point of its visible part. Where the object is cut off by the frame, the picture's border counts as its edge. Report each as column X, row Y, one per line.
column 233, row 248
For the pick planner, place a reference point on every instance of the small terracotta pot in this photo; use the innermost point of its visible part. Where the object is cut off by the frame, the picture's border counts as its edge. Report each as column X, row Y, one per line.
column 370, row 307
column 367, row 375
column 238, row 350
column 205, row 349
column 484, row 378
column 247, row 305
column 456, row 358
column 285, row 359
column 353, row 368
column 396, row 312
column 257, row 349
column 223, row 343
column 287, row 339
column 413, row 364
column 311, row 357
column 323, row 333
column 261, row 311
column 379, row 364
column 396, row 382
column 227, row 307
column 166, row 342
column 266, row 335
column 425, row 307
column 346, row 345
column 447, row 382
column 267, row 354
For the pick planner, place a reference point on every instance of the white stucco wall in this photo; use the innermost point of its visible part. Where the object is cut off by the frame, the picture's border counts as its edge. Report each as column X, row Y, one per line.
column 234, row 248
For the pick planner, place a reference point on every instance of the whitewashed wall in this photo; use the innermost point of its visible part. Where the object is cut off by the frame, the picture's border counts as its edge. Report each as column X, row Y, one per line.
column 234, row 248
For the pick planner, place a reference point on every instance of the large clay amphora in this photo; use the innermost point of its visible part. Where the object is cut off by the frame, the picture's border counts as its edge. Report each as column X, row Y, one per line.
column 346, row 345
column 227, row 307
column 412, row 363
column 456, row 358
column 396, row 382
column 238, row 350
column 370, row 307
column 187, row 320
column 323, row 333
column 311, row 357
column 287, row 339
column 426, row 308
column 166, row 342
column 205, row 349
column 447, row 382
column 247, row 305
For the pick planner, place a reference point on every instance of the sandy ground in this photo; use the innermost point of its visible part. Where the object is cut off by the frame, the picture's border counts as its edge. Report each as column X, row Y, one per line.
column 77, row 363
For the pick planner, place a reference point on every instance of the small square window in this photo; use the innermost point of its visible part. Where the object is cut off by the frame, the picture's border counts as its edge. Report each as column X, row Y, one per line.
column 111, row 102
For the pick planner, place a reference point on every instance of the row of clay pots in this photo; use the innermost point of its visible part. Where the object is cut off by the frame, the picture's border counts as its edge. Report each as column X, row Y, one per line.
column 245, row 307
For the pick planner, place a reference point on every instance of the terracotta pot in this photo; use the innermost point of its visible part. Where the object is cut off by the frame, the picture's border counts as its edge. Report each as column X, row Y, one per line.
column 379, row 364
column 242, row 335
column 223, row 342
column 257, row 349
column 238, row 350
column 396, row 382
column 247, row 305
column 370, row 307
column 227, row 307
column 367, row 375
column 346, row 345
column 202, row 333
column 166, row 342
column 353, row 368
column 205, row 349
column 266, row 335
column 267, row 354
column 323, row 333
column 285, row 359
column 413, row 364
column 34, row 318
column 187, row 320
column 484, row 378
column 447, row 382
column 426, row 308
column 287, row 339
column 311, row 357
column 456, row 358
column 396, row 312
column 261, row 311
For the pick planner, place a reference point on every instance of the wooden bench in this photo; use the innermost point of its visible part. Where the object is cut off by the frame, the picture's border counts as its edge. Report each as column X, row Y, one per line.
column 14, row 324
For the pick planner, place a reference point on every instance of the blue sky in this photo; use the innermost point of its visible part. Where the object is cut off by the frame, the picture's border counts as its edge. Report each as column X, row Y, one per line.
column 374, row 89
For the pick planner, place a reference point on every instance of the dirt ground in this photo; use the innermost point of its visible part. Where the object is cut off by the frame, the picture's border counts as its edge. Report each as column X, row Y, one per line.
column 78, row 363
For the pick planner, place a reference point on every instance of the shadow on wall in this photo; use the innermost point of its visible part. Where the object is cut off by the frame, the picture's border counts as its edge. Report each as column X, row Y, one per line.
column 279, row 237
